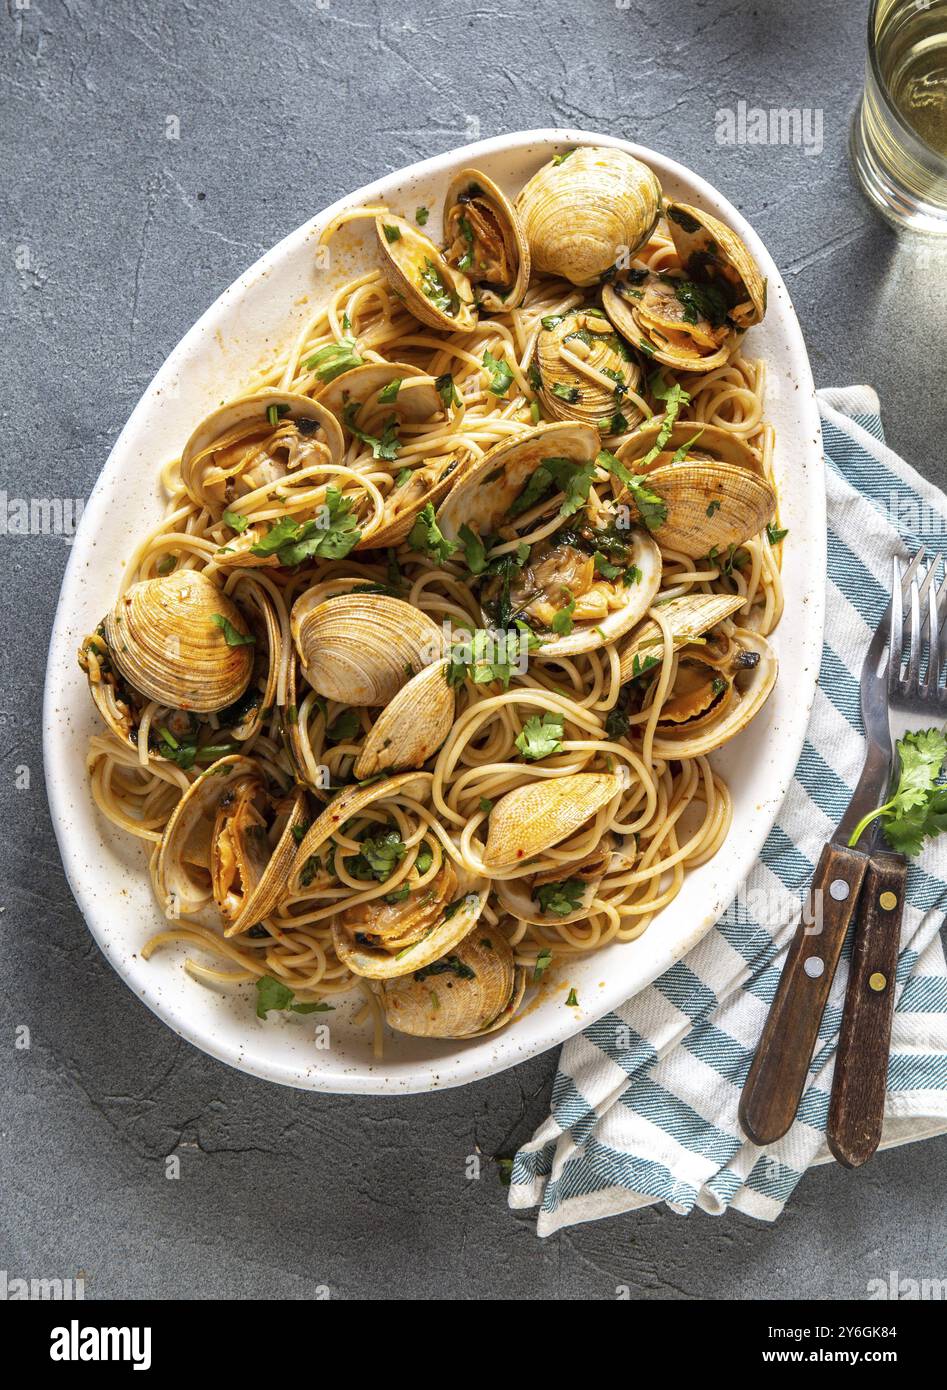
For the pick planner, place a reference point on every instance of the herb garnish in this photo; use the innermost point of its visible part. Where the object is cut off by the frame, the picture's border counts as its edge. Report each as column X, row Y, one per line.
column 541, row 737
column 917, row 810
column 332, row 360
column 273, row 994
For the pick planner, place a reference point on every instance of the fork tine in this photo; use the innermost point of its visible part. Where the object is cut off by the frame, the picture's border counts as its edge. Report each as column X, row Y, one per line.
column 909, row 685
column 896, row 639
column 932, row 680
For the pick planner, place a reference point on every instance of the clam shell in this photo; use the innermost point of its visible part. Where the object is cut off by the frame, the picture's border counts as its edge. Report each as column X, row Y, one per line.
column 636, row 599
column 406, row 259
column 484, row 493
column 624, row 314
column 452, row 1003
column 241, row 414
column 360, row 649
column 580, row 214
column 430, row 482
column 186, row 839
column 711, row 439
column 605, row 352
column 412, row 726
column 688, row 617
column 751, row 691
column 516, row 894
column 162, row 638
column 265, row 897
column 349, row 803
column 417, row 398
column 710, row 250
column 483, row 498
column 746, row 503
column 529, row 819
column 475, row 184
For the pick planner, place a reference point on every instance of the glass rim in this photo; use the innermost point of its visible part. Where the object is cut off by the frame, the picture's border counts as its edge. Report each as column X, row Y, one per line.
column 882, row 86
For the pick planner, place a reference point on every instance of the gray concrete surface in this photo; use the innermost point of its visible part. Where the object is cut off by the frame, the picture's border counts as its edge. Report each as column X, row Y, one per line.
column 114, row 239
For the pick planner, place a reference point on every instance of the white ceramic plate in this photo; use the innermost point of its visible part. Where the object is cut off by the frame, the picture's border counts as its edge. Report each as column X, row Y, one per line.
column 250, row 321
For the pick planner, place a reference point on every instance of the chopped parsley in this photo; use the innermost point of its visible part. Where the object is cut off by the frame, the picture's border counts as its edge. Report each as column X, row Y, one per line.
column 560, row 899
column 427, row 537
column 540, row 736
column 232, row 636
column 273, row 994
column 236, row 521
column 562, row 619
column 444, row 385
column 421, row 215
column 500, row 372
column 332, row 360
column 387, row 447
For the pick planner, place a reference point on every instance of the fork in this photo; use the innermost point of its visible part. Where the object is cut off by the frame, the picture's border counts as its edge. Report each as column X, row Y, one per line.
column 780, row 1067
column 856, row 1110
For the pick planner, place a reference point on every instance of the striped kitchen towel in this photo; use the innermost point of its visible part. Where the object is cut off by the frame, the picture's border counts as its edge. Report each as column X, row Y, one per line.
column 644, row 1105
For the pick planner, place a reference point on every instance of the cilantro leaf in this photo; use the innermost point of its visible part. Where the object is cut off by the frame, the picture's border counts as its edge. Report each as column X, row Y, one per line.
column 332, row 360
column 233, row 636
column 236, row 521
column 475, row 552
column 331, row 536
column 918, row 808
column 560, row 898
column 273, row 994
column 562, row 618
column 387, row 447
column 427, row 536
column 540, row 737
column 501, row 374
column 651, row 508
column 444, row 385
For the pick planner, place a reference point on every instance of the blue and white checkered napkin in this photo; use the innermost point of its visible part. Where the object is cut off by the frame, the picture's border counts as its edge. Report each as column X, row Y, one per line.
column 648, row 1112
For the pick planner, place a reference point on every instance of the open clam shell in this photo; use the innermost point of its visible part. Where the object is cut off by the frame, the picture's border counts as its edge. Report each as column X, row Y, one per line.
column 532, row 818
column 473, row 990
column 585, row 208
column 712, row 253
column 254, row 440
column 412, row 726
column 177, row 640
column 416, row 398
column 433, row 291
column 360, row 649
column 688, row 617
column 429, row 921
column 485, row 241
column 562, row 563
column 748, row 692
column 428, row 483
column 664, row 319
column 216, row 852
column 586, row 371
column 557, row 888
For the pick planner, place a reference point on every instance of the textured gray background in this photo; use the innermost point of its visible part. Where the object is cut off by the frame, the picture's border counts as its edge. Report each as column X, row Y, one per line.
column 284, row 106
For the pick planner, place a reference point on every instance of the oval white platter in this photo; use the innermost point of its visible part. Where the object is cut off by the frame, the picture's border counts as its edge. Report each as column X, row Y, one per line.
column 248, row 325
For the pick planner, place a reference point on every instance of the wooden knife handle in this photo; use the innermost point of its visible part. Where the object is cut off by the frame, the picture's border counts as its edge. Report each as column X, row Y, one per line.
column 856, row 1111
column 777, row 1078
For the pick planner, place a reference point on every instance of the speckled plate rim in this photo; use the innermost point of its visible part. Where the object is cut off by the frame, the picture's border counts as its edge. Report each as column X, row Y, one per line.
column 211, row 362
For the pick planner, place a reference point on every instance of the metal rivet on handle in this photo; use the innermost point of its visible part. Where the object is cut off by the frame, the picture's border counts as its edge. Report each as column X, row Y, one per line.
column 877, row 982
column 888, row 901
column 814, row 966
column 839, row 889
